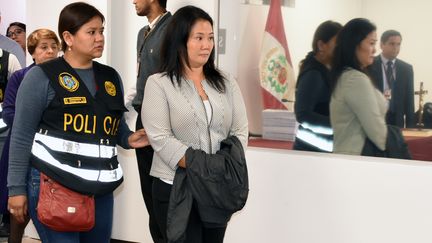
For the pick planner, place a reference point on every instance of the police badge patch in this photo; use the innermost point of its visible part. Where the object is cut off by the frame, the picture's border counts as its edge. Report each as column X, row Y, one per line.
column 110, row 88
column 68, row 82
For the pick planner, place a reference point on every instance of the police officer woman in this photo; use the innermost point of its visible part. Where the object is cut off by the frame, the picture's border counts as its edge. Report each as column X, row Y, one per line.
column 68, row 121
column 313, row 92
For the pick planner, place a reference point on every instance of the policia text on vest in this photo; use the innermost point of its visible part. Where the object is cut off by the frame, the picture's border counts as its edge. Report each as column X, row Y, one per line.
column 87, row 124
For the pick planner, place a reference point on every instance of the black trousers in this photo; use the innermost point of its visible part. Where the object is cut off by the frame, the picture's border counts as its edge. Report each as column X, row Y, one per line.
column 196, row 231
column 144, row 159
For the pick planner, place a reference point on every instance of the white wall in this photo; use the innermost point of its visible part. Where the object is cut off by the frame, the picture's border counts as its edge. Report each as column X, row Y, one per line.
column 12, row 11
column 42, row 16
column 306, row 197
column 413, row 22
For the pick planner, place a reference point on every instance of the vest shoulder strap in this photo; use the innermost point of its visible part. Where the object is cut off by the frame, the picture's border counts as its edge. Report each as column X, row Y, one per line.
column 63, row 78
column 4, row 65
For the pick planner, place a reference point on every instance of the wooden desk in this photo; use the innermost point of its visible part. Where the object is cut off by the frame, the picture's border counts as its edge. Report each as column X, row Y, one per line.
column 420, row 147
column 264, row 143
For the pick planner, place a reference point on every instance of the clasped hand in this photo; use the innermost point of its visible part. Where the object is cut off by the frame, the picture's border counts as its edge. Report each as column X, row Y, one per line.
column 138, row 139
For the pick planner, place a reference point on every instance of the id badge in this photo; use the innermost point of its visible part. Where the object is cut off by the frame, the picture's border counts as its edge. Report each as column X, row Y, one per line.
column 387, row 94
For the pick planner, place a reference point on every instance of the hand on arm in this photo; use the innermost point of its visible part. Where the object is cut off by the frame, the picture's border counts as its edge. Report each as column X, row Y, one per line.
column 138, row 139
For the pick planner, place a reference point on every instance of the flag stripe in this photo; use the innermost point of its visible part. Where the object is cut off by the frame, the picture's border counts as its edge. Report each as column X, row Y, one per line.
column 270, row 101
column 275, row 26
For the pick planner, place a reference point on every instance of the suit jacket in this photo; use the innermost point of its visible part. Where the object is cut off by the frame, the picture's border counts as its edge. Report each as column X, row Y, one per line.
column 401, row 110
column 148, row 55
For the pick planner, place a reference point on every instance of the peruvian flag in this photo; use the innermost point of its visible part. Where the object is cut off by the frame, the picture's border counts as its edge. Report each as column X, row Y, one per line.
column 275, row 67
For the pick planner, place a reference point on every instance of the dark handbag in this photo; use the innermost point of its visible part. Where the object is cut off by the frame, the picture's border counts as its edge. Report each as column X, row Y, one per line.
column 62, row 209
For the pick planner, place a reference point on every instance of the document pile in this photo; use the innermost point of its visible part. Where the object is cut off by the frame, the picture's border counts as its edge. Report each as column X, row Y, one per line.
column 279, row 125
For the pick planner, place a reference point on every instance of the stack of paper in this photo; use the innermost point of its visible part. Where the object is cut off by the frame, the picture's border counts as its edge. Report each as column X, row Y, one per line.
column 279, row 125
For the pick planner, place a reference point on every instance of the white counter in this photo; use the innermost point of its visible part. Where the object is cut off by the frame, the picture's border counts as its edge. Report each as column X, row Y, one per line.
column 306, row 197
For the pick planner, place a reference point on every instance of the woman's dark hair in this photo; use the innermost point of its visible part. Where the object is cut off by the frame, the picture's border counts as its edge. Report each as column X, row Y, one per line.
column 347, row 41
column 325, row 32
column 75, row 15
column 389, row 33
column 174, row 56
column 19, row 24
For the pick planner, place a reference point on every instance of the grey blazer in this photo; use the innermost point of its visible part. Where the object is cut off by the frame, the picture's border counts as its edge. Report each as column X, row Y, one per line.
column 357, row 111
column 175, row 119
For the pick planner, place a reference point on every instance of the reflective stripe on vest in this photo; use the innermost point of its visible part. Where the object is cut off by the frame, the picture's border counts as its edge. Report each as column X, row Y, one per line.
column 2, row 123
column 317, row 129
column 91, row 175
column 72, row 147
column 313, row 138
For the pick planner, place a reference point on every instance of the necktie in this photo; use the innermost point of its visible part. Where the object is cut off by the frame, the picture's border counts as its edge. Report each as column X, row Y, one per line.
column 146, row 31
column 389, row 74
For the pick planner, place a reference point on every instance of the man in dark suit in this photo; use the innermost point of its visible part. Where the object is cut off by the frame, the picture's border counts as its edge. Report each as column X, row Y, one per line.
column 394, row 78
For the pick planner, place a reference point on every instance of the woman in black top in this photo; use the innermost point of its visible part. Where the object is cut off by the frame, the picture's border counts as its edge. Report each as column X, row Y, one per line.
column 313, row 94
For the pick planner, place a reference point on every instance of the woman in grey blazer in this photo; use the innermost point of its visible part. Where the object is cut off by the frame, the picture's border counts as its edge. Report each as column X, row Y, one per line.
column 190, row 103
column 357, row 108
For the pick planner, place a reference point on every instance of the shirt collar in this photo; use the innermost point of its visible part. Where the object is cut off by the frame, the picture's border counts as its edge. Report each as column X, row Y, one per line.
column 156, row 20
column 385, row 60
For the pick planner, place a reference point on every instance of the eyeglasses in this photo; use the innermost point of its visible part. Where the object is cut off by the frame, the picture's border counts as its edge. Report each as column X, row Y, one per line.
column 16, row 32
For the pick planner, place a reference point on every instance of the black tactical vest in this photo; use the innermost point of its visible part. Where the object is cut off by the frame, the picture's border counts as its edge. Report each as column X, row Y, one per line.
column 4, row 65
column 75, row 115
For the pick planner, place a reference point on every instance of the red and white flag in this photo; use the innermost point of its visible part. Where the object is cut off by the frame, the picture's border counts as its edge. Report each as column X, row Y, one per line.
column 275, row 67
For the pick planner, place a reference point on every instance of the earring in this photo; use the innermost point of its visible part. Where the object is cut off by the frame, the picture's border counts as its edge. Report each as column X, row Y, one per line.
column 69, row 48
